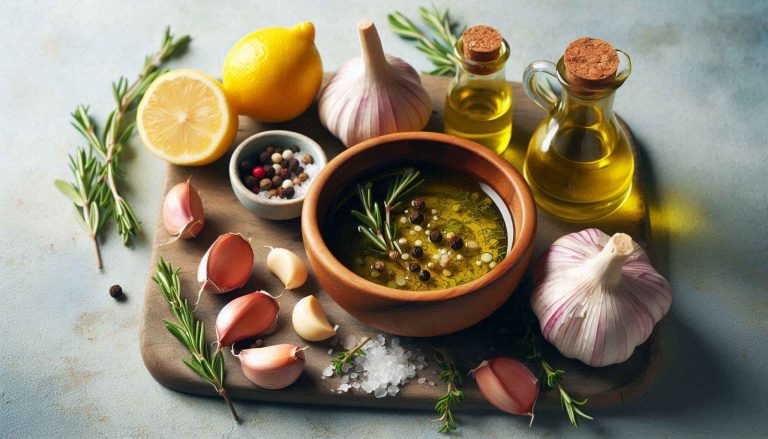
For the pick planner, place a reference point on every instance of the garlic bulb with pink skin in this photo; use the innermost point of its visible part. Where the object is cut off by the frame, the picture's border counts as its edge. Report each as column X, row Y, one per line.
column 597, row 297
column 272, row 367
column 373, row 95
column 183, row 214
column 226, row 265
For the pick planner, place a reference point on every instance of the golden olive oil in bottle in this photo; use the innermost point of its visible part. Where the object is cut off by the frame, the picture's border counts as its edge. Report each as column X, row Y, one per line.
column 478, row 106
column 579, row 163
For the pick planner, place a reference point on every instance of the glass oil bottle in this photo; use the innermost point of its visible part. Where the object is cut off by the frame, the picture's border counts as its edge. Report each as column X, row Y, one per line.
column 478, row 106
column 579, row 163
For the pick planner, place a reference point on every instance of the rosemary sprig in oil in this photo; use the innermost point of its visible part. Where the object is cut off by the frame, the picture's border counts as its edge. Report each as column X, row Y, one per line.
column 191, row 333
column 453, row 394
column 107, row 145
column 347, row 357
column 438, row 47
column 381, row 229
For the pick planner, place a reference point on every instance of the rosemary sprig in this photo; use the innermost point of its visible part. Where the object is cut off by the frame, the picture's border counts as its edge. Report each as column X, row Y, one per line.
column 347, row 357
column 191, row 333
column 438, row 47
column 108, row 146
column 453, row 394
column 552, row 378
column 381, row 230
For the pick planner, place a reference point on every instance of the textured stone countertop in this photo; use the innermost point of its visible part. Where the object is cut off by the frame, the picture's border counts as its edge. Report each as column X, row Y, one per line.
column 70, row 363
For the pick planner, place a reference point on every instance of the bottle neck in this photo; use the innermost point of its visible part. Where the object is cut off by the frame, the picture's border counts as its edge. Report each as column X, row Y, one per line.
column 587, row 110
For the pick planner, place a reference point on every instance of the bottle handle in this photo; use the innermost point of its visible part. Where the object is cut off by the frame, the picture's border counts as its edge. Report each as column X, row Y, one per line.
column 542, row 94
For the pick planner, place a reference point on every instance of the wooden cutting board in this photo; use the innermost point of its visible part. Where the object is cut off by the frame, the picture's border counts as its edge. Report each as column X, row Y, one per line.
column 162, row 353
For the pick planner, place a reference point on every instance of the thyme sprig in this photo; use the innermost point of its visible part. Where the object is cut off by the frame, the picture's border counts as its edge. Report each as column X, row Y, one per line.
column 107, row 144
column 347, row 357
column 438, row 47
column 381, row 230
column 191, row 333
column 552, row 377
column 453, row 395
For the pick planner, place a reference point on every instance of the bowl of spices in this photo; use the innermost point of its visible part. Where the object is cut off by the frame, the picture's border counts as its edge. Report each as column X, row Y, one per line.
column 419, row 234
column 272, row 171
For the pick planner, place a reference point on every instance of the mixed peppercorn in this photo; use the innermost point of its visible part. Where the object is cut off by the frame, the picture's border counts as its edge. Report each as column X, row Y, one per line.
column 277, row 171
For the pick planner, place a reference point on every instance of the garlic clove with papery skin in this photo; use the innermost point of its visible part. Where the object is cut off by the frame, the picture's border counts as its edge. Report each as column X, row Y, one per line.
column 272, row 367
column 245, row 317
column 310, row 321
column 373, row 95
column 508, row 385
column 183, row 214
column 288, row 267
column 226, row 265
column 598, row 297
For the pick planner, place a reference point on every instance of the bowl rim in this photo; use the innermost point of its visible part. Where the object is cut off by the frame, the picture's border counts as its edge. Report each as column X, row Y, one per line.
column 234, row 176
column 523, row 236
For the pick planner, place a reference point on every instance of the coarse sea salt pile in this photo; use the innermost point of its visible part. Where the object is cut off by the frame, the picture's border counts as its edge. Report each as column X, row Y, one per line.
column 382, row 370
column 311, row 169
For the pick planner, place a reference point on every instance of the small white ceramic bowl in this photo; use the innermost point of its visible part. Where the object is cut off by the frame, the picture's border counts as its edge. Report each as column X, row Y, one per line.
column 249, row 149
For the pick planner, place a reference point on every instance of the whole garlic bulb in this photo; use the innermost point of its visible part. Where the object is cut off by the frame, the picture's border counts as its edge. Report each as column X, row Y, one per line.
column 373, row 95
column 598, row 297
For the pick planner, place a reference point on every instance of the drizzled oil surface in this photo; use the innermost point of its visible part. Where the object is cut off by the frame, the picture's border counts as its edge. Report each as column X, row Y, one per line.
column 454, row 203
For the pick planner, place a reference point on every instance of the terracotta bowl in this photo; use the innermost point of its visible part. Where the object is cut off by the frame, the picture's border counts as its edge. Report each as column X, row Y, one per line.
column 419, row 313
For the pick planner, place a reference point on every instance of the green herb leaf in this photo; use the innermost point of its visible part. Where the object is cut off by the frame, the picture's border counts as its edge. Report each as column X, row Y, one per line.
column 69, row 191
column 438, row 44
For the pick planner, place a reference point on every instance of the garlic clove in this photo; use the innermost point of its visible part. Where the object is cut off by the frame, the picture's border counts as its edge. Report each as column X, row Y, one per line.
column 598, row 297
column 245, row 317
column 226, row 265
column 288, row 267
column 373, row 95
column 508, row 385
column 272, row 367
column 310, row 321
column 183, row 214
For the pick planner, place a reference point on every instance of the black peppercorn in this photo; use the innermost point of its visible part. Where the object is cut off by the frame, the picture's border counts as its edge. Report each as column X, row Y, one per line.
column 277, row 181
column 269, row 150
column 416, row 217
column 418, row 204
column 264, row 157
column 394, row 255
column 293, row 165
column 300, row 169
column 284, row 164
column 284, row 173
column 414, row 267
column 417, row 252
column 378, row 266
column 269, row 171
column 281, row 192
column 115, row 291
column 250, row 181
column 246, row 166
column 424, row 275
column 290, row 192
column 294, row 148
column 435, row 236
column 455, row 242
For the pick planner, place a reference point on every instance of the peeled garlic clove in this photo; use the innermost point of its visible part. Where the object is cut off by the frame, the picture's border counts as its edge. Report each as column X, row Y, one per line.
column 272, row 367
column 597, row 297
column 183, row 214
column 310, row 321
column 288, row 267
column 245, row 317
column 226, row 265
column 508, row 385
column 373, row 95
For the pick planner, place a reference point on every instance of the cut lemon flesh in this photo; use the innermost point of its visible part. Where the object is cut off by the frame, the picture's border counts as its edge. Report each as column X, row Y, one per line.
column 185, row 119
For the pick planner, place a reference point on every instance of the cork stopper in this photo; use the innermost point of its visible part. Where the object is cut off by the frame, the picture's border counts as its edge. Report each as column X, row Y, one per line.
column 481, row 43
column 590, row 62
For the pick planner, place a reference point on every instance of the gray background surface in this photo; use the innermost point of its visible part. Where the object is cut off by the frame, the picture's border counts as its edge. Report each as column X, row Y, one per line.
column 70, row 363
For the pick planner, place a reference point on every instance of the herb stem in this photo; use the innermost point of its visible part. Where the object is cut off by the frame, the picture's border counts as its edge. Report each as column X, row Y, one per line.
column 346, row 357
column 97, row 250
column 453, row 396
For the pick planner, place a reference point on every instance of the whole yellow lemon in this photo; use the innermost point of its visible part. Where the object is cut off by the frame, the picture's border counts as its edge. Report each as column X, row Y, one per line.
column 273, row 74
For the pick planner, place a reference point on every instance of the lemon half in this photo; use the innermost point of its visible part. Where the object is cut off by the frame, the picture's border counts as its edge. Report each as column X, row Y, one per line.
column 185, row 118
